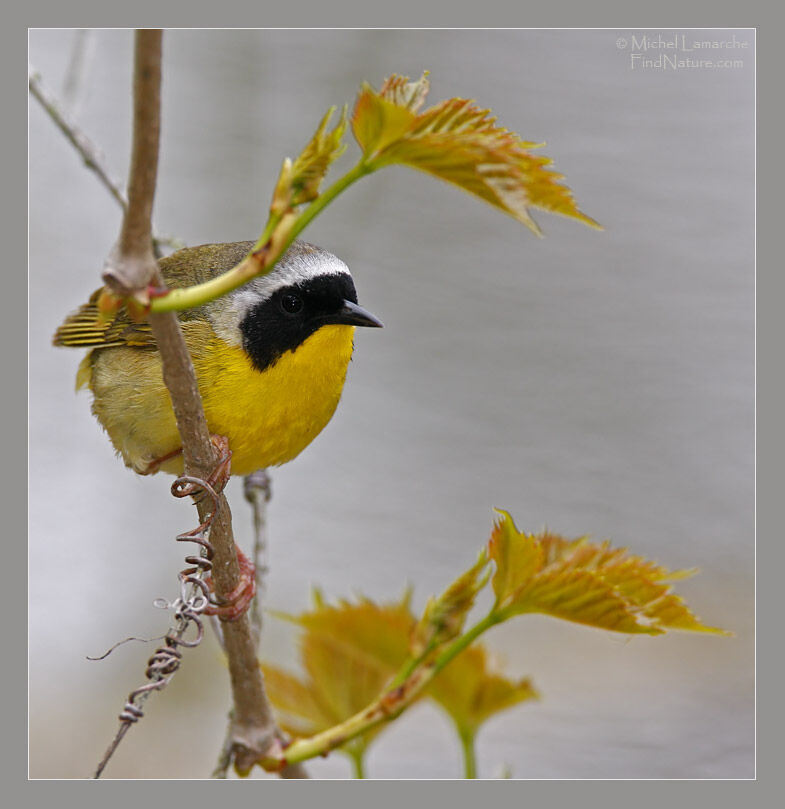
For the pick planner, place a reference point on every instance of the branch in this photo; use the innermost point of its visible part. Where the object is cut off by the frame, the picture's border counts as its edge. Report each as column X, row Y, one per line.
column 130, row 269
column 132, row 266
column 386, row 708
column 257, row 491
column 87, row 150
column 78, row 66
column 404, row 690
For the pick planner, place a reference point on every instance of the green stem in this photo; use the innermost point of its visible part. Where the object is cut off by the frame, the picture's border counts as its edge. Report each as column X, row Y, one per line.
column 469, row 757
column 326, row 197
column 386, row 707
column 491, row 619
column 198, row 295
column 357, row 755
column 410, row 666
column 272, row 224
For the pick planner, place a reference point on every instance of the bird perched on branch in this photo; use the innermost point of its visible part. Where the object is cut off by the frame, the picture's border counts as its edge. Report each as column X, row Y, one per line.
column 270, row 359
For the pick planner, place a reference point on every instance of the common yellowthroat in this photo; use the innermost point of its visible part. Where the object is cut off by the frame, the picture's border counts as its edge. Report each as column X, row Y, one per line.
column 270, row 359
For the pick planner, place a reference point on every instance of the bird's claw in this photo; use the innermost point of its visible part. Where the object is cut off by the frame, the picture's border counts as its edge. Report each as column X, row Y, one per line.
column 237, row 602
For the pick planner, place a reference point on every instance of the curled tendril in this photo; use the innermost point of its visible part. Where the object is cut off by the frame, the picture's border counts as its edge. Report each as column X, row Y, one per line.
column 194, row 598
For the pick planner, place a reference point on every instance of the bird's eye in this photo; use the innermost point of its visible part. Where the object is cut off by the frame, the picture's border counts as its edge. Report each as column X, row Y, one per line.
column 291, row 304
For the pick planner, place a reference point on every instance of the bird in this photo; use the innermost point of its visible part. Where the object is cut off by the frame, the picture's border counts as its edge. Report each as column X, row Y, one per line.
column 270, row 359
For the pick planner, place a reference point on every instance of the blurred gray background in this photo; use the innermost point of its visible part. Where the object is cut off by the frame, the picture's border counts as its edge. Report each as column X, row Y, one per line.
column 593, row 382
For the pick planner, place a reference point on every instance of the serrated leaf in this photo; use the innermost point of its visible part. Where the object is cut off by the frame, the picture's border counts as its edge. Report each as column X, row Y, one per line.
column 404, row 93
column 581, row 597
column 461, row 144
column 471, row 691
column 377, row 122
column 381, row 630
column 518, row 557
column 443, row 617
column 585, row 582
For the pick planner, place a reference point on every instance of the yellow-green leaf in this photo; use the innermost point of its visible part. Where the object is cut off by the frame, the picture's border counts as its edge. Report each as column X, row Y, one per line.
column 300, row 180
column 377, row 121
column 585, row 582
column 579, row 596
column 518, row 557
column 404, row 93
column 348, row 676
column 380, row 630
column 311, row 166
column 460, row 143
column 349, row 653
column 297, row 706
column 471, row 691
column 443, row 617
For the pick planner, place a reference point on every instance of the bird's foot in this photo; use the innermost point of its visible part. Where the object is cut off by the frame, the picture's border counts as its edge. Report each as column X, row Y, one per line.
column 217, row 479
column 222, row 471
column 155, row 465
column 237, row 602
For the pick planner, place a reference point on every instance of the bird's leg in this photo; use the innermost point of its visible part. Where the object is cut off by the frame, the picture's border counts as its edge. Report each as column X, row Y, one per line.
column 238, row 601
column 155, row 464
column 218, row 478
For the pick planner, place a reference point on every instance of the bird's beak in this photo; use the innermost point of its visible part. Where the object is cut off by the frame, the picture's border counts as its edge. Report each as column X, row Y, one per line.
column 353, row 315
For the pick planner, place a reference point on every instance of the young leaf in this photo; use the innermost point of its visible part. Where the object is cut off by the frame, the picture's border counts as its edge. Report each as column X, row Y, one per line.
column 297, row 703
column 471, row 692
column 377, row 122
column 311, row 166
column 378, row 630
column 299, row 181
column 517, row 557
column 461, row 143
column 404, row 93
column 349, row 652
column 443, row 617
column 585, row 582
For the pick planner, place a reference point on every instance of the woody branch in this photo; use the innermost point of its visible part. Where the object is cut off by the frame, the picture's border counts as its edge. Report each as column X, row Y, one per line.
column 130, row 269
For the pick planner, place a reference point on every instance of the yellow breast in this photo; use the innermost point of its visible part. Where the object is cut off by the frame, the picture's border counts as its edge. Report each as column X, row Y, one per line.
column 270, row 417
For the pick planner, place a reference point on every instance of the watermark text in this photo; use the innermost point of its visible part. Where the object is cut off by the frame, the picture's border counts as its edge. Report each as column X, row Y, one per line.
column 677, row 51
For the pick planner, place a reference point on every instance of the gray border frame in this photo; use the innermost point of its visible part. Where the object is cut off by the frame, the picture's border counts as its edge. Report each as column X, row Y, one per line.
column 492, row 13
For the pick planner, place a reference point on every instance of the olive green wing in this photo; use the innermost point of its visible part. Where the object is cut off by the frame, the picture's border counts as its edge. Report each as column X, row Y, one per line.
column 84, row 329
column 192, row 265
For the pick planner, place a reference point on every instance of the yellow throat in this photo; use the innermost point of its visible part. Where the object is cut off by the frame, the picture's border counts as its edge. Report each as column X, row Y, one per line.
column 271, row 417
column 268, row 417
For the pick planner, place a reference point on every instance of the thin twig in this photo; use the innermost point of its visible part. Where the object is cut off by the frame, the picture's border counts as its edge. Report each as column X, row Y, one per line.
column 257, row 488
column 75, row 80
column 90, row 153
column 188, row 607
column 221, row 770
